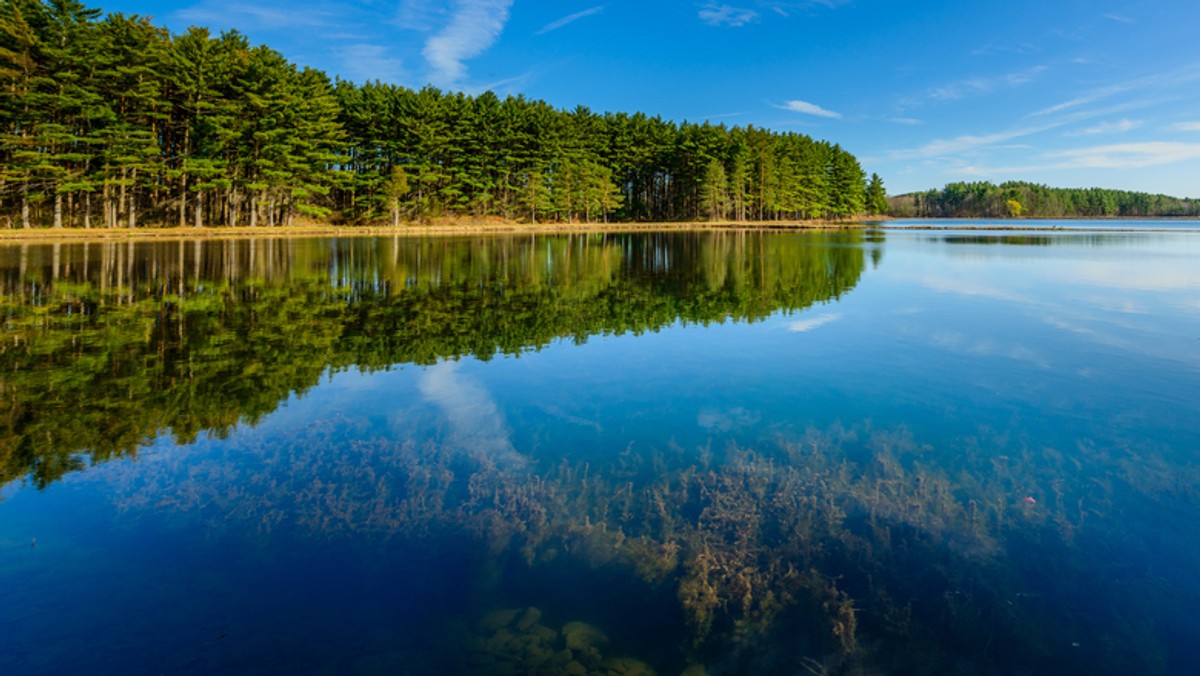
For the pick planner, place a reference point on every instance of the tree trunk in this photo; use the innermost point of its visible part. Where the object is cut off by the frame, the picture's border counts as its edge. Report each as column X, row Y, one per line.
column 133, row 200
column 183, row 200
column 107, row 206
column 58, row 210
column 25, row 209
column 199, row 210
column 87, row 210
column 254, row 211
column 124, row 207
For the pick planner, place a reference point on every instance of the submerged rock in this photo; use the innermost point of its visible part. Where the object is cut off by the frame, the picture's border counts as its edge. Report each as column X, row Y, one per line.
column 529, row 618
column 581, row 635
column 626, row 666
column 499, row 619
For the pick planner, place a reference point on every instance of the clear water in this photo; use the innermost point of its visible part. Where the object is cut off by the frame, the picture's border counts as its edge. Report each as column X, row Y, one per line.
column 837, row 452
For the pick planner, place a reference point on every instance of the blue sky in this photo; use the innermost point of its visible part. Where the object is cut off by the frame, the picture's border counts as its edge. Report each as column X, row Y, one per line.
column 1063, row 92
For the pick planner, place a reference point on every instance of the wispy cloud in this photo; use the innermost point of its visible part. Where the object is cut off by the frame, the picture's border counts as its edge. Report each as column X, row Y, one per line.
column 363, row 62
column 805, row 325
column 570, row 18
column 960, row 144
column 505, row 86
column 725, row 15
column 809, row 109
column 992, row 50
column 474, row 27
column 1171, row 80
column 1185, row 126
column 1121, row 156
column 1118, row 127
column 984, row 85
column 795, row 5
column 1120, row 18
column 259, row 15
column 475, row 424
column 1125, row 155
column 419, row 15
column 908, row 121
column 720, row 116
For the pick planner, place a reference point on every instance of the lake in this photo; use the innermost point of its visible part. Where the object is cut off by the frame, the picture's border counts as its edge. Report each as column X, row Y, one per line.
column 859, row 451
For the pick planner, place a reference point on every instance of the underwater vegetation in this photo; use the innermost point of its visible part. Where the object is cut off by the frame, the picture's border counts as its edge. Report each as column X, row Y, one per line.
column 841, row 551
column 826, row 549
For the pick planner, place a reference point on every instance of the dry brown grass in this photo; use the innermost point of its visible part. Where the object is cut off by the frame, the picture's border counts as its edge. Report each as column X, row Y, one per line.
column 439, row 227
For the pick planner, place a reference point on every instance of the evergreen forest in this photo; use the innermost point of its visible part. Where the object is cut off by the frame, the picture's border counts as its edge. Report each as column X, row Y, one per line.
column 112, row 121
column 1016, row 199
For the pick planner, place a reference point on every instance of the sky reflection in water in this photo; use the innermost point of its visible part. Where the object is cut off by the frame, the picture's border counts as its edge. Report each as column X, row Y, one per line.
column 907, row 451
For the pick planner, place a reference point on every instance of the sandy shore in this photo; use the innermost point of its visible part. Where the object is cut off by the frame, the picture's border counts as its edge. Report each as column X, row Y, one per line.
column 405, row 230
column 468, row 228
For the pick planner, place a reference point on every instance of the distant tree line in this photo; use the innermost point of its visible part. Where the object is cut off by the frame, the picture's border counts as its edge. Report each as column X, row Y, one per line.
column 1017, row 199
column 112, row 121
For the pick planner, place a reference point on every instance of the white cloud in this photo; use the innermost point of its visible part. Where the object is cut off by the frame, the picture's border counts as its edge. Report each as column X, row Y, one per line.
column 909, row 121
column 804, row 325
column 570, row 18
column 504, row 86
column 364, row 62
column 474, row 27
column 809, row 109
column 1170, row 82
column 258, row 15
column 1185, row 126
column 1126, row 155
column 1123, row 156
column 725, row 15
column 984, row 85
column 475, row 424
column 419, row 15
column 1118, row 127
column 960, row 144
column 1119, row 18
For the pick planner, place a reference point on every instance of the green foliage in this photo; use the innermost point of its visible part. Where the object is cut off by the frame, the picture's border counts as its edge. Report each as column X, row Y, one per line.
column 113, row 120
column 986, row 200
column 876, row 196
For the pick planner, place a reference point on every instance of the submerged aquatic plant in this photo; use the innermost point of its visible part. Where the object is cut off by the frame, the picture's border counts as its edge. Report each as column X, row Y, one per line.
column 852, row 543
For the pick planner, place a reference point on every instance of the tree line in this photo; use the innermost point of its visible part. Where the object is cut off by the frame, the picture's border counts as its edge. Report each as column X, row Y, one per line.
column 1016, row 199
column 109, row 120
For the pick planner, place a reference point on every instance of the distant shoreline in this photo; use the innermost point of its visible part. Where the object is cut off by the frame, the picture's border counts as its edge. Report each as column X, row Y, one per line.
column 53, row 235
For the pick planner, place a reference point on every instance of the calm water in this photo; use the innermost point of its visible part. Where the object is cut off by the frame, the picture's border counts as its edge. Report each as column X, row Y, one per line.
column 854, row 452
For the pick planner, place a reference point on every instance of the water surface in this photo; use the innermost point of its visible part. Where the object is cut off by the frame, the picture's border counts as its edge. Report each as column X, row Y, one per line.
column 882, row 451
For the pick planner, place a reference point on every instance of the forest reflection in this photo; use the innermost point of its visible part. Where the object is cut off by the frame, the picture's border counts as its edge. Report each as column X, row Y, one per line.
column 832, row 550
column 107, row 345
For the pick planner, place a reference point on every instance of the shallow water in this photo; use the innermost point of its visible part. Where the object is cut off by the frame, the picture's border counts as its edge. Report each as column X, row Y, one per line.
column 864, row 451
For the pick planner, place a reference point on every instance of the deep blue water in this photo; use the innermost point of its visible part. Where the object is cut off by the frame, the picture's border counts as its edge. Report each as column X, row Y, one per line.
column 894, row 451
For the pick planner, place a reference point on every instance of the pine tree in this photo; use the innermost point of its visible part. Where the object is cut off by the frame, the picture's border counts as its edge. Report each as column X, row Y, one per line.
column 876, row 196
